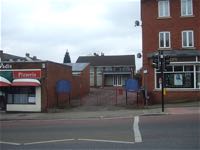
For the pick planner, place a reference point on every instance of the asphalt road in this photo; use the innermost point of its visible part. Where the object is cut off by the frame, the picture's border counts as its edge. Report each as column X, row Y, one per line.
column 144, row 132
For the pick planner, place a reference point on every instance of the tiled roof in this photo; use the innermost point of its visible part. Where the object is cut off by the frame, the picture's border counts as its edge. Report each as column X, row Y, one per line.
column 10, row 57
column 7, row 57
column 118, row 60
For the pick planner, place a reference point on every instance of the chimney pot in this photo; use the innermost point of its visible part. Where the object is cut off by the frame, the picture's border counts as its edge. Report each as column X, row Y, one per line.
column 27, row 55
column 34, row 57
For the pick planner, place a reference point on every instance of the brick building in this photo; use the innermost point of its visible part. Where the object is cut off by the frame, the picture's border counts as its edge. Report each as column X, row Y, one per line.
column 172, row 26
column 30, row 85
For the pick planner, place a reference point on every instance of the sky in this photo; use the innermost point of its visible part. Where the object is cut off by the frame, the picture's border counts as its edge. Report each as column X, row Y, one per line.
column 48, row 28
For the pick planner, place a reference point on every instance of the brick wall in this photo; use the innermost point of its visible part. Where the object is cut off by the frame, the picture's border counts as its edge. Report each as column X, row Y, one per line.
column 81, row 83
column 152, row 25
column 56, row 72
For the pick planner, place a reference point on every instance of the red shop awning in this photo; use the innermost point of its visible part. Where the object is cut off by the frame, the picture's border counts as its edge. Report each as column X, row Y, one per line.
column 25, row 82
column 4, row 82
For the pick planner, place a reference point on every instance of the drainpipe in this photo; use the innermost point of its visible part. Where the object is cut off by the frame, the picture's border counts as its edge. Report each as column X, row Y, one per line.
column 46, row 87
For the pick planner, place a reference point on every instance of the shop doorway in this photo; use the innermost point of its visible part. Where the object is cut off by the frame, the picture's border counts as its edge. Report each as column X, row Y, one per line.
column 2, row 99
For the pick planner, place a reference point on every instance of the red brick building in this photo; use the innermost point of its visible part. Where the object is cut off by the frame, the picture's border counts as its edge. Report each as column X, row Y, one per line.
column 172, row 26
column 31, row 85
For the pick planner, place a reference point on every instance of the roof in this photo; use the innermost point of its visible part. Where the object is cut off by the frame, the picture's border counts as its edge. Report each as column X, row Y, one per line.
column 7, row 57
column 117, row 60
column 78, row 67
column 10, row 57
column 178, row 53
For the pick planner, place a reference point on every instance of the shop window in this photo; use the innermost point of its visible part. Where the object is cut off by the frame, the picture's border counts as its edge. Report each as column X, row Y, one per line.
column 177, row 80
column 169, row 69
column 185, row 76
column 189, row 68
column 186, row 8
column 178, row 68
column 163, row 8
column 22, row 95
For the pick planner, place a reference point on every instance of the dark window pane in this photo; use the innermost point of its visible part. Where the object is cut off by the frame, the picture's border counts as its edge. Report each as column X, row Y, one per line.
column 168, row 69
column 190, row 38
column 197, row 67
column 178, row 68
column 188, row 68
column 198, row 80
column 184, row 39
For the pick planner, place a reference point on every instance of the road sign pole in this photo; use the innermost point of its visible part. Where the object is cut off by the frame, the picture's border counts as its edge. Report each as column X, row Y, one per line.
column 162, row 77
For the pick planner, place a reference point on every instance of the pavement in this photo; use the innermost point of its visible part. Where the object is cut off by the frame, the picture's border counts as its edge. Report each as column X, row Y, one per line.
column 105, row 112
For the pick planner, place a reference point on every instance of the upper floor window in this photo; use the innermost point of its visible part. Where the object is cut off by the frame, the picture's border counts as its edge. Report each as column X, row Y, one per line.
column 186, row 8
column 163, row 8
column 187, row 38
column 164, row 40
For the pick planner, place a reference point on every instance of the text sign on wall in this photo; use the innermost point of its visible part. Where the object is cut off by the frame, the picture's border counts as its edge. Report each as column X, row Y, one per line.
column 35, row 74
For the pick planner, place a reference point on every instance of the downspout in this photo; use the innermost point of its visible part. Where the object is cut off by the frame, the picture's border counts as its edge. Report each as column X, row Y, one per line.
column 46, row 88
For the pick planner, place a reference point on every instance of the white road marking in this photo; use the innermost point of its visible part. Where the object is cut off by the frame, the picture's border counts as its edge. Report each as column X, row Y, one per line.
column 106, row 141
column 136, row 130
column 9, row 143
column 50, row 141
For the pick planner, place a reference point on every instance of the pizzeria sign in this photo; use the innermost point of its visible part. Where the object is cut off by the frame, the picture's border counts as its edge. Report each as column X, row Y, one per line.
column 35, row 74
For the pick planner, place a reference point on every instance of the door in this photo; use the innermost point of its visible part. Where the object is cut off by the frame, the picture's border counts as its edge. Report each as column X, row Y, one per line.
column 117, row 80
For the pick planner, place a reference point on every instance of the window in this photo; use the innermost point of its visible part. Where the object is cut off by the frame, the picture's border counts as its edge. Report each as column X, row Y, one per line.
column 187, row 38
column 164, row 40
column 163, row 8
column 182, row 76
column 198, row 76
column 186, row 8
column 22, row 95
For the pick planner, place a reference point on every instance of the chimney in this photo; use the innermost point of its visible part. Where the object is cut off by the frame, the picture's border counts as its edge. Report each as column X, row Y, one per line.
column 1, row 55
column 34, row 58
column 27, row 55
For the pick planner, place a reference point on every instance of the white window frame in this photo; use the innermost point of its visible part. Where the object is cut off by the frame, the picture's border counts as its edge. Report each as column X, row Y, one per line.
column 117, row 80
column 186, row 9
column 187, row 38
column 164, row 34
column 163, row 8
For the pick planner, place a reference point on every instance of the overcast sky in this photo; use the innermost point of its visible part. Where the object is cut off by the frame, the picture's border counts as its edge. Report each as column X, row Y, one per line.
column 47, row 28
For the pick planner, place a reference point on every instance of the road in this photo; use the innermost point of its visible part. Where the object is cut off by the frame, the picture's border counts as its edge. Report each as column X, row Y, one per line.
column 143, row 132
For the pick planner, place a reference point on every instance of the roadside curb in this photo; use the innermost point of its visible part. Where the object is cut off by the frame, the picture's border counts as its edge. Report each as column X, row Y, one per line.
column 102, row 115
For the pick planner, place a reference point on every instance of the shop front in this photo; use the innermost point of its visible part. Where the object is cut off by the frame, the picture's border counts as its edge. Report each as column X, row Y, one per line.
column 21, row 89
column 182, row 77
column 31, row 86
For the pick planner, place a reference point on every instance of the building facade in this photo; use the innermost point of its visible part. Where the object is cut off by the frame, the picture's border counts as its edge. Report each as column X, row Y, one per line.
column 31, row 86
column 109, row 70
column 173, row 27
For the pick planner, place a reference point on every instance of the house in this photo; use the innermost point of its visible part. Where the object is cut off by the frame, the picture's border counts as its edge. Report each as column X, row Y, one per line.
column 173, row 27
column 109, row 70
column 30, row 85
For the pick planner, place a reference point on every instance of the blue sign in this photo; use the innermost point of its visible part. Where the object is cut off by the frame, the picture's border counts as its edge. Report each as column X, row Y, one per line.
column 63, row 86
column 132, row 85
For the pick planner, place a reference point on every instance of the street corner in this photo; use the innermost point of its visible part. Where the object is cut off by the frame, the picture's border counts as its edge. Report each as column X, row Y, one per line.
column 183, row 110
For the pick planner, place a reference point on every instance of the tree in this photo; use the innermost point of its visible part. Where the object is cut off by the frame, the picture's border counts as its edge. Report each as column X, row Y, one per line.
column 67, row 58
